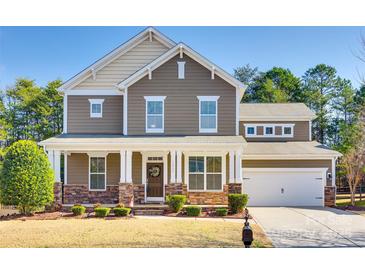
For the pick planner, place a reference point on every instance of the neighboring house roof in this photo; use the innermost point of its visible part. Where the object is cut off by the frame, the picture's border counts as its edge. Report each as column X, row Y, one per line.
column 181, row 49
column 288, row 150
column 148, row 33
column 276, row 112
column 78, row 140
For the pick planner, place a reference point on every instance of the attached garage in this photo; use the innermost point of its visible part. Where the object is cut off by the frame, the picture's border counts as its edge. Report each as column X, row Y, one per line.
column 284, row 186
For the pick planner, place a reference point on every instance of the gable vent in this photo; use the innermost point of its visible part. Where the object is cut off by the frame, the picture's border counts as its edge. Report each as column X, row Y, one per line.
column 181, row 70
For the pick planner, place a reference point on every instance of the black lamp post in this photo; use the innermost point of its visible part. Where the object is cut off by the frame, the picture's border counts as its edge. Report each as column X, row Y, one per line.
column 247, row 234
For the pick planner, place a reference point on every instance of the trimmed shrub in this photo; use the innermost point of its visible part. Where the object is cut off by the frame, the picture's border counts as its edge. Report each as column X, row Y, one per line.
column 101, row 211
column 193, row 211
column 26, row 178
column 176, row 202
column 221, row 211
column 78, row 210
column 121, row 211
column 237, row 202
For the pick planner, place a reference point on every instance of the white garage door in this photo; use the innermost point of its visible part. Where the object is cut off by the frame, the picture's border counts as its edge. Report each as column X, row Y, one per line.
column 284, row 186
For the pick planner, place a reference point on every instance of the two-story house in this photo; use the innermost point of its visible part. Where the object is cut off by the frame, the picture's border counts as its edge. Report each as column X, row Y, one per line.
column 154, row 117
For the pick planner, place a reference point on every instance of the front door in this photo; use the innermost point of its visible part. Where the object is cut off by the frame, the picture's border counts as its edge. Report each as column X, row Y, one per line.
column 154, row 180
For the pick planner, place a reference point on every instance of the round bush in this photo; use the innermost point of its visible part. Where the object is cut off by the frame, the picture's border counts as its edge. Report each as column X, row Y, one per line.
column 237, row 202
column 221, row 211
column 193, row 211
column 26, row 179
column 176, row 202
column 101, row 211
column 121, row 211
column 78, row 210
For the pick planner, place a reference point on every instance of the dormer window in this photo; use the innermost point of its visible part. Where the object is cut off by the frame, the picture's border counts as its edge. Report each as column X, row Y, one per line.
column 268, row 130
column 96, row 108
column 250, row 130
column 155, row 114
column 287, row 131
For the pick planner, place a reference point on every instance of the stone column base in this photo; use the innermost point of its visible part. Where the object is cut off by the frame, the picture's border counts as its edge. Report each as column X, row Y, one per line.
column 57, row 190
column 235, row 188
column 330, row 196
column 126, row 195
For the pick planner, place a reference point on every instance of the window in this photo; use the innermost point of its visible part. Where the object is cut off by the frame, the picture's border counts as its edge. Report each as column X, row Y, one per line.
column 96, row 108
column 287, row 131
column 205, row 173
column 181, row 70
column 97, row 175
column 250, row 130
column 155, row 113
column 268, row 130
column 208, row 120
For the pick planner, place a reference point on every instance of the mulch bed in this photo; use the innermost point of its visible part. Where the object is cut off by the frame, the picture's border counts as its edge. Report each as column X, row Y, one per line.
column 352, row 208
column 209, row 214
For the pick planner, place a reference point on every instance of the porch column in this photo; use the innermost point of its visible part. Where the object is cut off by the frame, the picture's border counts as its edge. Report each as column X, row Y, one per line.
column 238, row 167
column 57, row 165
column 178, row 167
column 172, row 170
column 65, row 155
column 122, row 166
column 334, row 172
column 50, row 155
column 128, row 166
column 231, row 167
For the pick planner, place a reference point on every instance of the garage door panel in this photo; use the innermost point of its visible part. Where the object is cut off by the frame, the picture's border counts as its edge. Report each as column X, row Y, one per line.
column 284, row 187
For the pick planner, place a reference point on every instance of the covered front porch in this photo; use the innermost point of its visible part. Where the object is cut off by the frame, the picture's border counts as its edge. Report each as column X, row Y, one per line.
column 138, row 170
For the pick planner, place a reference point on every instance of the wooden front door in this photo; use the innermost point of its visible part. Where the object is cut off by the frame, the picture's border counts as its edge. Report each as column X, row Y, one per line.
column 154, row 180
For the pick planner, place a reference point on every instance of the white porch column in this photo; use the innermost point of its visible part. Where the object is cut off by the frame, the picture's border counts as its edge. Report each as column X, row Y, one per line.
column 231, row 167
column 172, row 170
column 238, row 167
column 178, row 167
column 65, row 155
column 122, row 166
column 50, row 155
column 128, row 166
column 334, row 172
column 57, row 165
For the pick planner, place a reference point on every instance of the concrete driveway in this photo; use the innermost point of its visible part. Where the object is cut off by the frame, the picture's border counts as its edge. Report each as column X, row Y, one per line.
column 310, row 227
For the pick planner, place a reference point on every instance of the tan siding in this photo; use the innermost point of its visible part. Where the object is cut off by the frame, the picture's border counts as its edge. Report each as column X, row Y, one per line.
column 137, row 168
column 289, row 164
column 79, row 120
column 113, row 168
column 78, row 169
column 124, row 66
column 181, row 103
column 301, row 131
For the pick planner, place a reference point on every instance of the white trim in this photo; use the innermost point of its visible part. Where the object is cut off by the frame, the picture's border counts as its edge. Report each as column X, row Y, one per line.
column 178, row 167
column 180, row 70
column 208, row 99
column 333, row 167
column 129, row 166
column 238, row 101
column 205, row 155
column 287, row 157
column 231, row 167
column 65, row 167
column 172, row 166
column 91, row 155
column 125, row 112
column 96, row 102
column 271, row 118
column 122, row 49
column 93, row 92
column 57, row 165
column 310, row 130
column 282, row 135
column 122, row 165
column 155, row 99
column 287, row 169
column 212, row 73
column 65, row 106
column 50, row 155
column 238, row 168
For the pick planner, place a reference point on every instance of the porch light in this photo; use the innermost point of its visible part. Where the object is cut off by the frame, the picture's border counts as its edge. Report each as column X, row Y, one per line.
column 247, row 234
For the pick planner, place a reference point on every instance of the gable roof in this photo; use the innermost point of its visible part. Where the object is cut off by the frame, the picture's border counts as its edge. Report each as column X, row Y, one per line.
column 181, row 48
column 117, row 52
column 275, row 112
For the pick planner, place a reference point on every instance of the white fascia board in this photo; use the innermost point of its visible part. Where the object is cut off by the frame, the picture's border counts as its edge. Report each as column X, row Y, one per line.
column 93, row 92
column 288, row 157
column 273, row 118
column 173, row 52
column 120, row 50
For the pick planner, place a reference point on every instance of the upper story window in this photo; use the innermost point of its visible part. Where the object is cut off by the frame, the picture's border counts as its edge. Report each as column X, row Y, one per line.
column 287, row 131
column 250, row 131
column 269, row 130
column 155, row 113
column 96, row 108
column 208, row 114
column 181, row 70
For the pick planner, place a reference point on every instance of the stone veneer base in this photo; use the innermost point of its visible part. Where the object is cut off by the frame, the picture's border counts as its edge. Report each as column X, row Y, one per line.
column 330, row 196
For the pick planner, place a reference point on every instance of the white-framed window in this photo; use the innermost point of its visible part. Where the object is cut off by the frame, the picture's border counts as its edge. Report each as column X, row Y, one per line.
column 269, row 130
column 250, row 131
column 180, row 70
column 96, row 108
column 97, row 173
column 208, row 114
column 205, row 173
column 155, row 111
column 287, row 131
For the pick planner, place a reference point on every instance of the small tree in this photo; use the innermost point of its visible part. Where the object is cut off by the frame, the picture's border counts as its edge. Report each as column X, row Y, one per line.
column 26, row 179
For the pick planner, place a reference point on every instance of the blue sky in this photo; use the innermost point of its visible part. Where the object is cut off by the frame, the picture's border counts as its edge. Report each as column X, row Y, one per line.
column 48, row 53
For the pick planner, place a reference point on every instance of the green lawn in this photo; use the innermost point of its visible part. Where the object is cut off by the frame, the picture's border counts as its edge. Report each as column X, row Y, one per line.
column 71, row 232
